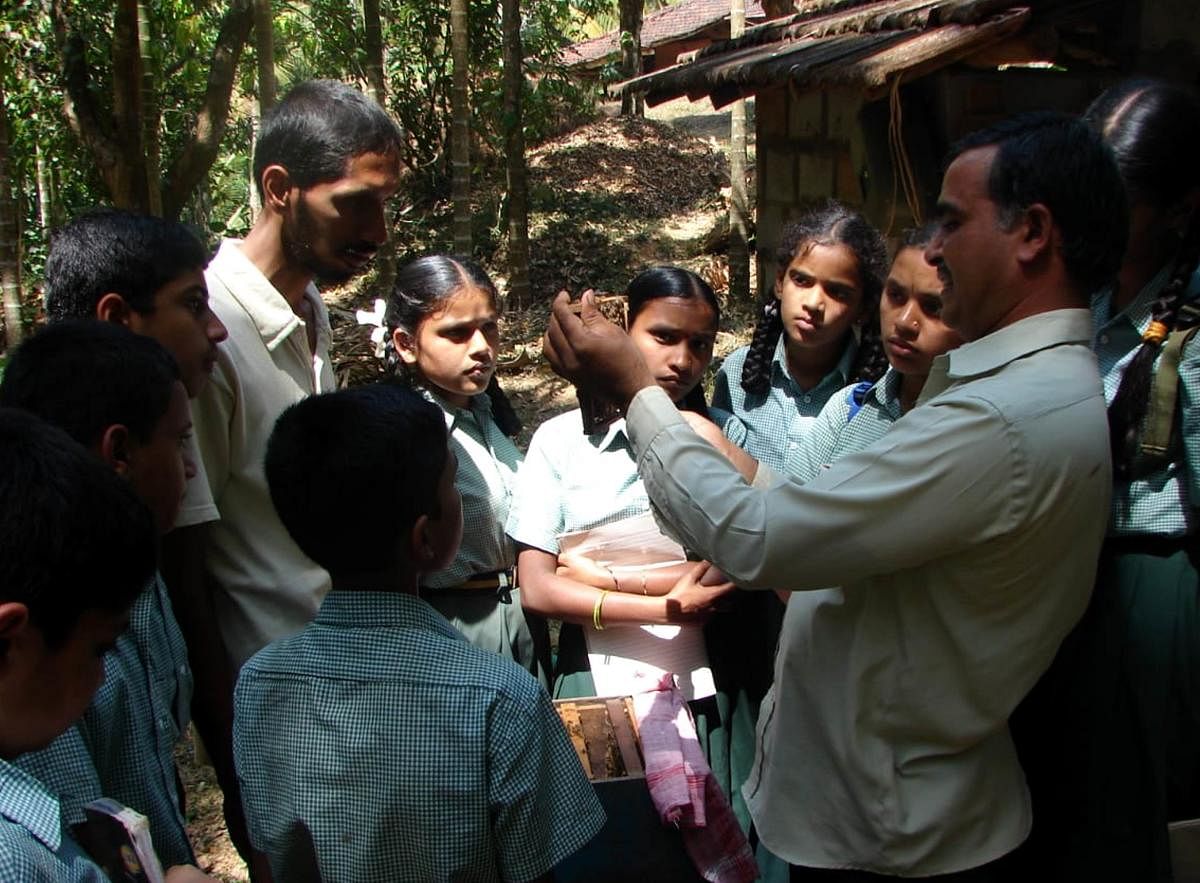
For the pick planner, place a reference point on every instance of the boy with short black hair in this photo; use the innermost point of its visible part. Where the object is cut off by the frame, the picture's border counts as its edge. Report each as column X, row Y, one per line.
column 142, row 272
column 119, row 394
column 76, row 549
column 147, row 274
column 378, row 743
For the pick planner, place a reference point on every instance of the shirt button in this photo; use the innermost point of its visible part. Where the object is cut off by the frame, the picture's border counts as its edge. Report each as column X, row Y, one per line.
column 791, row 446
column 1104, row 339
column 808, row 400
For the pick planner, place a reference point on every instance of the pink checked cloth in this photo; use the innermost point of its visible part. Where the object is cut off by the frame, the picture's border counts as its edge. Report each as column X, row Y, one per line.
column 685, row 792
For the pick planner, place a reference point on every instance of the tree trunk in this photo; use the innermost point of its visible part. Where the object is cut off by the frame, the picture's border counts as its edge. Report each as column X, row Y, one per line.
column 373, row 44
column 631, row 53
column 255, row 200
column 10, row 247
column 148, row 112
column 264, row 50
column 739, row 249
column 460, row 128
column 128, row 176
column 115, row 140
column 514, row 149
column 385, row 262
column 44, row 193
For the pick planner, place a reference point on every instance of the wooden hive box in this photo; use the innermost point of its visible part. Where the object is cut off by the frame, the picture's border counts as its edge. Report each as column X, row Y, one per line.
column 604, row 733
column 633, row 844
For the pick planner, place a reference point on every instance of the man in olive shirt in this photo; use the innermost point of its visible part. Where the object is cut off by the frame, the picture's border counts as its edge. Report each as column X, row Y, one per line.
column 963, row 544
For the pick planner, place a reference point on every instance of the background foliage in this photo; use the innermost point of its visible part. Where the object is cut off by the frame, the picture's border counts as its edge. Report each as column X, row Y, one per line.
column 55, row 175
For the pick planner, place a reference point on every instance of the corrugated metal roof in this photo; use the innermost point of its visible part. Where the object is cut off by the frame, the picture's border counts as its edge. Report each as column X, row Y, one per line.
column 676, row 22
column 855, row 44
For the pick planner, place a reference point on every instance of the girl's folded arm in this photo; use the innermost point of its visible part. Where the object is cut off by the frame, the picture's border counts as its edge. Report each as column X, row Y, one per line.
column 544, row 592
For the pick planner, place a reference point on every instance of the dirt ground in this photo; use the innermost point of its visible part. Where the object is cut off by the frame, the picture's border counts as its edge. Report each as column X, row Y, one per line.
column 608, row 199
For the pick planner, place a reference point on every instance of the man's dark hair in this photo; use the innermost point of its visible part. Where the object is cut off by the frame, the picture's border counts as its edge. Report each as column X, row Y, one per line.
column 351, row 471
column 318, row 128
column 85, row 376
column 1058, row 161
column 113, row 250
column 73, row 536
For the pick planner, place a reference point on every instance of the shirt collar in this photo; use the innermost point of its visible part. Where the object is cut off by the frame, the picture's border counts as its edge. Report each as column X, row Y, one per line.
column 1140, row 311
column 886, row 391
column 614, row 436
column 479, row 407
column 27, row 803
column 841, row 371
column 370, row 609
column 272, row 315
column 1012, row 342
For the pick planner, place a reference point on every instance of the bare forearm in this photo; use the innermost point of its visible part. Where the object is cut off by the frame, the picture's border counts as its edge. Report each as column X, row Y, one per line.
column 559, row 597
column 655, row 581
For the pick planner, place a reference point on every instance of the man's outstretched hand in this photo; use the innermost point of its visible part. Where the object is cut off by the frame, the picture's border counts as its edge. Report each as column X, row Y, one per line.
column 593, row 353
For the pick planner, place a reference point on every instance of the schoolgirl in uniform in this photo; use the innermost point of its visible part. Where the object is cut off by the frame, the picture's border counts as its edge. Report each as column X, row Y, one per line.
column 571, row 481
column 443, row 335
column 817, row 333
column 1112, row 738
column 913, row 334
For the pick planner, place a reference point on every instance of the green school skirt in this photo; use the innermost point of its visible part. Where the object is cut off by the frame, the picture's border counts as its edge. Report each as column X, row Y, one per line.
column 1112, row 744
column 491, row 624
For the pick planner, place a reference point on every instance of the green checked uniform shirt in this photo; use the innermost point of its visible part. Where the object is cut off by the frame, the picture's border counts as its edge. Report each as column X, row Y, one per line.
column 836, row 432
column 385, row 745
column 777, row 421
column 124, row 746
column 1163, row 502
column 487, row 468
column 34, row 847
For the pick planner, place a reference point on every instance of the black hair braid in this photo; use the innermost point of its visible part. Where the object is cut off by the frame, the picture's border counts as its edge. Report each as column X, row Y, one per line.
column 393, row 364
column 502, row 410
column 870, row 361
column 756, row 370
column 1129, row 405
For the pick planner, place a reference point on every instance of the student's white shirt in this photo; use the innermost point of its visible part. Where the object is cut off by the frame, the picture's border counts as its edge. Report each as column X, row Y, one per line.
column 964, row 543
column 265, row 586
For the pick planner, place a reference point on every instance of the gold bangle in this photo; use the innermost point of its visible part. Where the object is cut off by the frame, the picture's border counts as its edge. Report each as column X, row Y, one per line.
column 596, row 623
column 1156, row 332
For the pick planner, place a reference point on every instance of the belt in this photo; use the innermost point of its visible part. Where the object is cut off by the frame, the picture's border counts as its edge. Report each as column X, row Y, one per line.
column 497, row 582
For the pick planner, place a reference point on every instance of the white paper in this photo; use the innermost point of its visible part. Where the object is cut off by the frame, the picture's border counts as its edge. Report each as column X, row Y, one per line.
column 631, row 659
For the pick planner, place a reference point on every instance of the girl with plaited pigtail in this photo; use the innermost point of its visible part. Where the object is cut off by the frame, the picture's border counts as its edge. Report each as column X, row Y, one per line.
column 1111, row 737
column 441, row 335
column 817, row 333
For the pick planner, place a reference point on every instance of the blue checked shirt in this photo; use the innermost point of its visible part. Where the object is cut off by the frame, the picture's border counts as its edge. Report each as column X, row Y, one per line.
column 571, row 481
column 382, row 742
column 835, row 433
column 487, row 469
column 124, row 745
column 777, row 421
column 1163, row 502
column 34, row 847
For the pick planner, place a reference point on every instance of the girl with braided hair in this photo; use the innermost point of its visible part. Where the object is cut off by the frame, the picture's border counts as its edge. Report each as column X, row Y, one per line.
column 442, row 338
column 817, row 332
column 913, row 335
column 1128, row 679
